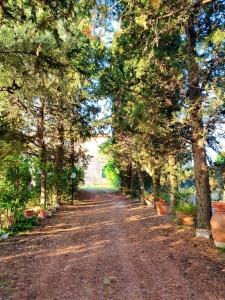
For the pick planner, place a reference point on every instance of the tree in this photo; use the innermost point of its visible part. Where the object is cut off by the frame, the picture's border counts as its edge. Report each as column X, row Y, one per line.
column 156, row 60
column 46, row 75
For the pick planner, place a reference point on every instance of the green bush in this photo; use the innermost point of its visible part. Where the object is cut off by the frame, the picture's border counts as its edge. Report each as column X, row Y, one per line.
column 112, row 173
column 165, row 196
column 24, row 224
column 55, row 179
column 14, row 186
column 185, row 194
column 187, row 208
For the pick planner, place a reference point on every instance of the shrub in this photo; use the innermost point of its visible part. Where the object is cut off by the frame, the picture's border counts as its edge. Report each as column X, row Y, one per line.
column 187, row 208
column 14, row 187
column 25, row 224
column 112, row 173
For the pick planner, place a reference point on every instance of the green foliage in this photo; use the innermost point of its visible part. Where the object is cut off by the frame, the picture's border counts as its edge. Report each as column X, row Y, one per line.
column 184, row 194
column 49, row 57
column 113, row 173
column 54, row 64
column 220, row 160
column 55, row 179
column 183, row 202
column 14, row 185
column 187, row 208
column 164, row 195
column 24, row 224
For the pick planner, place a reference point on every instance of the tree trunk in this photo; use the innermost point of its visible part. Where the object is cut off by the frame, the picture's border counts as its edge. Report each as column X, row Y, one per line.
column 126, row 179
column 43, row 158
column 131, row 180
column 156, row 183
column 173, row 180
column 59, row 159
column 201, row 179
column 72, row 152
column 141, row 182
column 198, row 142
column 223, row 184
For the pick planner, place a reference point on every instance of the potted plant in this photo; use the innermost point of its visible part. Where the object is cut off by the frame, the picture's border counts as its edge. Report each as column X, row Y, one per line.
column 42, row 213
column 218, row 224
column 29, row 213
column 162, row 207
column 186, row 213
column 149, row 199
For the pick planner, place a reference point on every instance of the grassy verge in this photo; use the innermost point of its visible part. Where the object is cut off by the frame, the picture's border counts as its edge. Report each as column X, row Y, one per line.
column 98, row 188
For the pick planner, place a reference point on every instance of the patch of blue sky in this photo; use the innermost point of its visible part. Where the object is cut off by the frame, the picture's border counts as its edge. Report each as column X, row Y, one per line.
column 106, row 33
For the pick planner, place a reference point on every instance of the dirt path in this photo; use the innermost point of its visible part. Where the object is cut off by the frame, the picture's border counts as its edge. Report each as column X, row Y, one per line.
column 109, row 248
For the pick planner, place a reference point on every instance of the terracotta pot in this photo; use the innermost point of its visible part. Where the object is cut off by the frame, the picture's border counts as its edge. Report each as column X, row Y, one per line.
column 43, row 214
column 188, row 220
column 149, row 203
column 218, row 225
column 214, row 204
column 162, row 208
column 185, row 219
column 28, row 213
column 180, row 214
column 218, row 206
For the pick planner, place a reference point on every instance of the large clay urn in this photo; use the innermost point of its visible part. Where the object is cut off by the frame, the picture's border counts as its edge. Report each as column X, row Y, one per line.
column 218, row 225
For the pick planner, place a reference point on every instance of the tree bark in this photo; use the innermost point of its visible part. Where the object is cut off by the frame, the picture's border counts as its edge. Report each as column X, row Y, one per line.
column 223, row 184
column 156, row 183
column 126, row 179
column 173, row 180
column 59, row 159
column 43, row 156
column 141, row 182
column 72, row 152
column 201, row 179
column 197, row 132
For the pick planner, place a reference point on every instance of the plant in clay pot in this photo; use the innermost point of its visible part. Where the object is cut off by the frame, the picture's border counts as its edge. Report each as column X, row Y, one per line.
column 149, row 199
column 43, row 214
column 28, row 213
column 162, row 207
column 186, row 213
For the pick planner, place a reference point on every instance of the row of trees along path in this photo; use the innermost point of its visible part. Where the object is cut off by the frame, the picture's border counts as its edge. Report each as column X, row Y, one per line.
column 163, row 75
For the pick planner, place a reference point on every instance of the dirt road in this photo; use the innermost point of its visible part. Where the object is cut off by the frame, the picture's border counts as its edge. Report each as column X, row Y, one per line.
column 110, row 248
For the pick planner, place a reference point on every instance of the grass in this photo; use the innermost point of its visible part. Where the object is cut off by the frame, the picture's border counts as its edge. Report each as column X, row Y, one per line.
column 221, row 249
column 98, row 188
column 3, row 231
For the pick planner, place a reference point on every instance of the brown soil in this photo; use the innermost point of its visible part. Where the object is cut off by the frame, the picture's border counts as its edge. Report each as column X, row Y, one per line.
column 110, row 248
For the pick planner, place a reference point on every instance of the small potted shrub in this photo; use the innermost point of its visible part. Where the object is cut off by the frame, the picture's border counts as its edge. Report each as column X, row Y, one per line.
column 162, row 206
column 186, row 213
